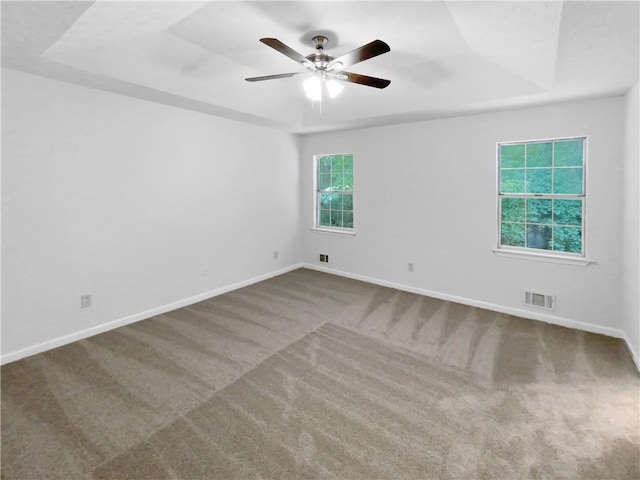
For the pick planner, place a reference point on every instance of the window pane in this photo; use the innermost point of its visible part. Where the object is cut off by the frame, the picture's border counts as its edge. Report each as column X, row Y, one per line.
column 539, row 210
column 539, row 154
column 347, row 201
column 512, row 209
column 347, row 219
column 325, row 217
column 348, row 181
column 324, row 165
column 348, row 165
column 511, row 156
column 325, row 200
column 337, row 164
column 512, row 181
column 539, row 180
column 336, row 218
column 567, row 180
column 324, row 181
column 336, row 201
column 512, row 234
column 567, row 212
column 337, row 181
column 539, row 236
column 568, row 153
column 567, row 239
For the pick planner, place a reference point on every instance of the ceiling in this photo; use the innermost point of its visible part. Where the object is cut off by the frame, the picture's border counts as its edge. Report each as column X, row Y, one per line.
column 446, row 59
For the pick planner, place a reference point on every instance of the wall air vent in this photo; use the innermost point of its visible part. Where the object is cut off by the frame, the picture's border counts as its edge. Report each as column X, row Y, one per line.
column 539, row 300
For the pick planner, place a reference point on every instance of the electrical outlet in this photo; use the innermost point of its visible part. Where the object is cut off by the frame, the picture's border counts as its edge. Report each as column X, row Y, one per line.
column 85, row 301
column 324, row 258
column 275, row 254
column 410, row 267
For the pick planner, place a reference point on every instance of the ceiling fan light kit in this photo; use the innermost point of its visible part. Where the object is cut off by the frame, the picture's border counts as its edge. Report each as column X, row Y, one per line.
column 326, row 71
column 318, row 83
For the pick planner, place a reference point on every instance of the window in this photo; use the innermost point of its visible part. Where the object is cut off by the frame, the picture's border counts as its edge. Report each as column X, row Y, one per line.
column 541, row 196
column 334, row 192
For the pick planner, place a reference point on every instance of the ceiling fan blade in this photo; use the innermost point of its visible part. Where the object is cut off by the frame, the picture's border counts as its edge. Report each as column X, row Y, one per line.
column 365, row 52
column 274, row 77
column 288, row 51
column 363, row 79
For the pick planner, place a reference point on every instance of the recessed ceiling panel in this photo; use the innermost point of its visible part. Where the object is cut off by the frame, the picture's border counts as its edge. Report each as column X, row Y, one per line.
column 519, row 36
column 598, row 46
column 108, row 22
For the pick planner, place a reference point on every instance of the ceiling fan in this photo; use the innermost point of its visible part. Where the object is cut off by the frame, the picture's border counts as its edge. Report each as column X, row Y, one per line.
column 324, row 69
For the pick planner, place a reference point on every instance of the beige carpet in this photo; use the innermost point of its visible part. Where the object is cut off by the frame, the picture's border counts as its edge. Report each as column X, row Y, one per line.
column 309, row 375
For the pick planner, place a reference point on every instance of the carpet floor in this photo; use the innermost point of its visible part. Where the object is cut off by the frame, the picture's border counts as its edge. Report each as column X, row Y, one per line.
column 309, row 375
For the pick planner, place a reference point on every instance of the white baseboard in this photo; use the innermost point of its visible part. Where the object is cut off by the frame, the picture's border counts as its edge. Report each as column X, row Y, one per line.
column 89, row 332
column 73, row 337
column 555, row 320
column 634, row 354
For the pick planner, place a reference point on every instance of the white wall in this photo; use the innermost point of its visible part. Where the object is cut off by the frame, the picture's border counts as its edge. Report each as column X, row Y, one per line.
column 425, row 193
column 146, row 206
column 631, row 224
column 139, row 204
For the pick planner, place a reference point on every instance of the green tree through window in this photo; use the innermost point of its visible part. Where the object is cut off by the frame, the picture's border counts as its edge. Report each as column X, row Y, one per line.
column 541, row 195
column 334, row 180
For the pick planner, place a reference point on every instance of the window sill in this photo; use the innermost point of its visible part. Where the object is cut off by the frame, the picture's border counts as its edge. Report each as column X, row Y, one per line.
column 334, row 231
column 543, row 257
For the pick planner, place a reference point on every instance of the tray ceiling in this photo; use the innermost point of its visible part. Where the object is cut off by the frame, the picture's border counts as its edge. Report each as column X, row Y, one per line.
column 446, row 59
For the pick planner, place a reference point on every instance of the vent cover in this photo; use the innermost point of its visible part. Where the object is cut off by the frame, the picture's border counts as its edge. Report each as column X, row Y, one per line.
column 539, row 300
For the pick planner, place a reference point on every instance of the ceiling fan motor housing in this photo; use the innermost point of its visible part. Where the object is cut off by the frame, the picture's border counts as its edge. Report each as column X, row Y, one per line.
column 320, row 59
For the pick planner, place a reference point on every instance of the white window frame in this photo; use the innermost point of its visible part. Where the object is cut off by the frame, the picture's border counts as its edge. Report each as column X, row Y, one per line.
column 534, row 253
column 316, row 204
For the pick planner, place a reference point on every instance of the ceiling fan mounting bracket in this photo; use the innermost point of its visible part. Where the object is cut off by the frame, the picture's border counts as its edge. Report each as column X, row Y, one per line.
column 319, row 41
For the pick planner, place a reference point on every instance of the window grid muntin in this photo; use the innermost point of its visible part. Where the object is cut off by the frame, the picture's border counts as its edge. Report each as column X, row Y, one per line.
column 554, row 142
column 552, row 224
column 332, row 191
column 551, row 196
